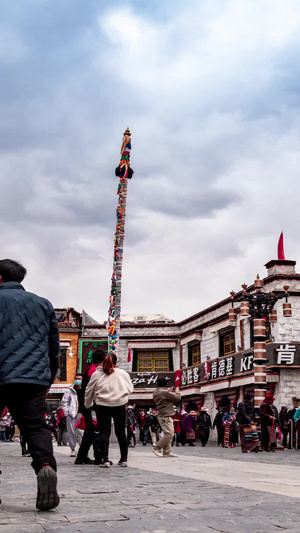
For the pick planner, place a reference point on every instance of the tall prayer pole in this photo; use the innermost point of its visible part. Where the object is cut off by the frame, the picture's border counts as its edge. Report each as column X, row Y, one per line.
column 124, row 172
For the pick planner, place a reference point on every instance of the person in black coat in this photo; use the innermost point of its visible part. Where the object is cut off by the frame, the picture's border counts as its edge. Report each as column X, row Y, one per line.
column 267, row 421
column 284, row 424
column 245, row 412
column 29, row 354
column 218, row 423
column 204, row 426
column 246, row 419
column 292, row 428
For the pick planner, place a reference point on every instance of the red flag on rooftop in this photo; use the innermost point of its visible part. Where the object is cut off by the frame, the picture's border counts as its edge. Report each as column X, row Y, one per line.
column 280, row 249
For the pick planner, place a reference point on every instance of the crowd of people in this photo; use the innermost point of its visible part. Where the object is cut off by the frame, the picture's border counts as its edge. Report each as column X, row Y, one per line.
column 261, row 431
column 7, row 426
column 29, row 354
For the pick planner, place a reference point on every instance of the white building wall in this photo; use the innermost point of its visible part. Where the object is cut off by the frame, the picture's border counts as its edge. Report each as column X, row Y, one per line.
column 287, row 387
column 185, row 351
column 287, row 329
column 209, row 344
column 176, row 357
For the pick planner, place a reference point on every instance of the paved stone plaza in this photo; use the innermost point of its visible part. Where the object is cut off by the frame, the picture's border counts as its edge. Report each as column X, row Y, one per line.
column 203, row 490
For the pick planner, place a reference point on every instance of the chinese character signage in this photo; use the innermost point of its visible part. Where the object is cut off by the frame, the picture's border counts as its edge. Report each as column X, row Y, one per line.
column 286, row 354
column 278, row 355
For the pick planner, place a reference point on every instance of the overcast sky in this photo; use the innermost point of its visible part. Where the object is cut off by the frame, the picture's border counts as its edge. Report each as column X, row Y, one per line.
column 210, row 91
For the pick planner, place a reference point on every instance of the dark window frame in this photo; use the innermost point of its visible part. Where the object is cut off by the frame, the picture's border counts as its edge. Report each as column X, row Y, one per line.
column 62, row 364
column 191, row 347
column 222, row 337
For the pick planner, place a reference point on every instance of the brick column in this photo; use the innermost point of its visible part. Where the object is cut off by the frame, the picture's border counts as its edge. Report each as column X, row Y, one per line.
column 259, row 362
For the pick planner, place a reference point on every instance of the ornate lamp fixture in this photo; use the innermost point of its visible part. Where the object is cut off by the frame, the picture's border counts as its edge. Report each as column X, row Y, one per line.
column 258, row 306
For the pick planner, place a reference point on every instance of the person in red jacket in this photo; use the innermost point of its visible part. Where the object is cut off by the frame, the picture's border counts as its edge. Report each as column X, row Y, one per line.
column 91, row 434
column 177, row 420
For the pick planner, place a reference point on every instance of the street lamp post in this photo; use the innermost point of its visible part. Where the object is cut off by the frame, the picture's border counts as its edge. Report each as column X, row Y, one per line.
column 259, row 306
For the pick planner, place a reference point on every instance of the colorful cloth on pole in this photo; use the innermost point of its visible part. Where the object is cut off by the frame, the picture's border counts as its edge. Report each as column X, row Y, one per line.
column 123, row 171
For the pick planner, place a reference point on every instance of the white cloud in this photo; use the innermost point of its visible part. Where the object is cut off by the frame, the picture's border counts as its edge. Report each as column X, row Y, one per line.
column 211, row 96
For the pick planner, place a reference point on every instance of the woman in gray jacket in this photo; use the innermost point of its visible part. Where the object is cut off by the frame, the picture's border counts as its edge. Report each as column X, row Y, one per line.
column 109, row 388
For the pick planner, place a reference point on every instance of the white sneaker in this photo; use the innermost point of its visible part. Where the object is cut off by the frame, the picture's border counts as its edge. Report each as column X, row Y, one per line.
column 169, row 455
column 122, row 463
column 106, row 464
column 157, row 451
column 73, row 453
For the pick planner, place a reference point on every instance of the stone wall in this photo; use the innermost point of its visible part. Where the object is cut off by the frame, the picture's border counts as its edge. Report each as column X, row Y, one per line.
column 287, row 387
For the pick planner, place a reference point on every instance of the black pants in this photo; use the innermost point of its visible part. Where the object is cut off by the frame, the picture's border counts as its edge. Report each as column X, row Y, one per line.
column 90, row 437
column 104, row 416
column 284, row 435
column 220, row 431
column 204, row 435
column 24, row 445
column 265, row 438
column 26, row 404
column 130, row 435
column 10, row 432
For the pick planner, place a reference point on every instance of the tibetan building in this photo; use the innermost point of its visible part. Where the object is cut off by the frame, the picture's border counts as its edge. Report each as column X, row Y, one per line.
column 214, row 350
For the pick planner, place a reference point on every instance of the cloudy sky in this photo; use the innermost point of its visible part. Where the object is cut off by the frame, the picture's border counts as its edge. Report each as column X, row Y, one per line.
column 210, row 91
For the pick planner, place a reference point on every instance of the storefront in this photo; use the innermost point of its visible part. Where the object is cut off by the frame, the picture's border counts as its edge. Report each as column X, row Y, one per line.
column 229, row 378
column 144, row 384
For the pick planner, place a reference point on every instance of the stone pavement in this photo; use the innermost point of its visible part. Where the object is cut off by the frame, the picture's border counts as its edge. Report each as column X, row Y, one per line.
column 203, row 490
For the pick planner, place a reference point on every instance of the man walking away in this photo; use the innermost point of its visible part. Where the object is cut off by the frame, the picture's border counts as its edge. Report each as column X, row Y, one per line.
column 165, row 400
column 72, row 404
column 29, row 352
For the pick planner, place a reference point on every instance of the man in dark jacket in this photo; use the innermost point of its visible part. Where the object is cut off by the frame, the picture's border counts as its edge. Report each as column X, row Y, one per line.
column 29, row 352
column 204, row 426
column 245, row 413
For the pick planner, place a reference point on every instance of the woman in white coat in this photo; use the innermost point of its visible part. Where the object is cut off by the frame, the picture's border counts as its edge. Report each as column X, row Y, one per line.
column 109, row 388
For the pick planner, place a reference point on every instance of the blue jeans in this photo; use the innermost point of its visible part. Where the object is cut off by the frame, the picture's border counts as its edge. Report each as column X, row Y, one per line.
column 3, row 436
